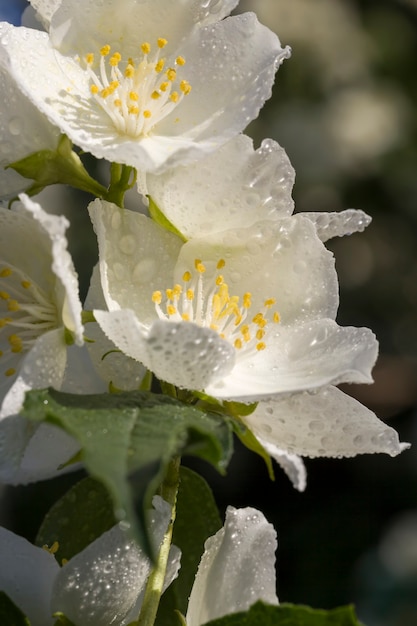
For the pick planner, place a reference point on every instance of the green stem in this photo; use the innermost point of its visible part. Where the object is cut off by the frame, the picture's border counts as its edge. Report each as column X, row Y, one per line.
column 120, row 182
column 168, row 491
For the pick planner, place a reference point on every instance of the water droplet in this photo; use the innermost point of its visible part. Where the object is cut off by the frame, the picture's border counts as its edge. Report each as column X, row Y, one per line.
column 16, row 126
column 127, row 244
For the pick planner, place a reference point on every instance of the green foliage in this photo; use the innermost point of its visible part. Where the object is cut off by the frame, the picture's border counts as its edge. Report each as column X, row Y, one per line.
column 289, row 615
column 197, row 518
column 63, row 165
column 10, row 615
column 127, row 440
column 84, row 513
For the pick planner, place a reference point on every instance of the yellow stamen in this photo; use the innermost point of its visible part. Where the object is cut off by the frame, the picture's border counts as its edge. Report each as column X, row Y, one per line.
column 146, row 47
column 133, row 95
column 10, row 372
column 147, row 114
column 199, row 266
column 171, row 74
column 89, row 58
column 4, row 295
column 174, row 96
column 190, row 294
column 133, row 109
column 105, row 50
column 186, row 277
column 155, row 95
column 94, row 89
column 26, row 284
column 180, row 61
column 270, row 302
column 238, row 343
column 247, row 300
column 129, row 71
column 5, row 272
column 115, row 59
column 171, row 310
column 160, row 65
column 164, row 86
column 53, row 549
column 185, row 87
column 220, row 264
column 157, row 297
column 260, row 346
column 162, row 42
column 13, row 305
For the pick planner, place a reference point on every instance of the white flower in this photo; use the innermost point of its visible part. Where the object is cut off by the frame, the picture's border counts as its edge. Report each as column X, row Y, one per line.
column 246, row 314
column 23, row 129
column 40, row 312
column 237, row 569
column 101, row 585
column 236, row 187
column 148, row 84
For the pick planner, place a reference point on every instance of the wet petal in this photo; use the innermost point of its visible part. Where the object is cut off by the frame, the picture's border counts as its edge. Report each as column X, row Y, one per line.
column 26, row 575
column 233, row 188
column 331, row 225
column 327, row 423
column 236, row 569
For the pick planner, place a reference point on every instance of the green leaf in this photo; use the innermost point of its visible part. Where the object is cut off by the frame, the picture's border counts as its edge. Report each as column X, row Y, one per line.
column 197, row 518
column 84, row 513
column 63, row 165
column 289, row 615
column 133, row 435
column 10, row 614
column 161, row 219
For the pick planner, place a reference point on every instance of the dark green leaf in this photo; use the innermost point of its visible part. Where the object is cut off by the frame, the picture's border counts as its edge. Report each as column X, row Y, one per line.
column 84, row 513
column 10, row 615
column 197, row 518
column 133, row 434
column 289, row 615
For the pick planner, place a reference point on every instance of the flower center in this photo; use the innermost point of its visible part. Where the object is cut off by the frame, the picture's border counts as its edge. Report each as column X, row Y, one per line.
column 26, row 313
column 211, row 306
column 136, row 94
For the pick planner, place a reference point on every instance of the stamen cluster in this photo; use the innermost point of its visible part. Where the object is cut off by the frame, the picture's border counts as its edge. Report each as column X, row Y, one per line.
column 212, row 306
column 26, row 314
column 136, row 94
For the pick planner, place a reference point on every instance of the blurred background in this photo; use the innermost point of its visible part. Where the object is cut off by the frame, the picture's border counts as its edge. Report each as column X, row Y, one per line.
column 344, row 108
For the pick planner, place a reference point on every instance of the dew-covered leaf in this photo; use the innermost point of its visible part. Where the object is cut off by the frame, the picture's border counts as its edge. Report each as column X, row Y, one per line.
column 129, row 438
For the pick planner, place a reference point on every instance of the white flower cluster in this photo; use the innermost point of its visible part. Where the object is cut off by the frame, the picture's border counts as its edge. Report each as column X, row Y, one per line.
column 222, row 290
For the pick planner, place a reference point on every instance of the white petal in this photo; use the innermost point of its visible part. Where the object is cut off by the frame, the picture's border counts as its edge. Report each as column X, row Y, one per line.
column 62, row 266
column 113, row 570
column 282, row 259
column 111, row 365
column 240, row 57
column 24, row 129
column 42, row 366
column 182, row 353
column 136, row 257
column 236, row 569
column 234, row 187
column 26, row 575
column 327, row 423
column 45, row 9
column 347, row 222
column 304, row 357
column 292, row 464
column 80, row 374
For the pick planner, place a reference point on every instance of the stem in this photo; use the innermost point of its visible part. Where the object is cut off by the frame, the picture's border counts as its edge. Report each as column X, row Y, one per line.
column 120, row 176
column 168, row 491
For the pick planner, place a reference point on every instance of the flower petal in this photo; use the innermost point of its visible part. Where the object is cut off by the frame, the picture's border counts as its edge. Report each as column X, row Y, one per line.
column 292, row 464
column 136, row 257
column 331, row 225
column 327, row 423
column 101, row 584
column 62, row 266
column 201, row 198
column 110, row 363
column 240, row 56
column 26, row 575
column 182, row 353
column 236, row 569
column 24, row 129
column 45, row 9
column 304, row 357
